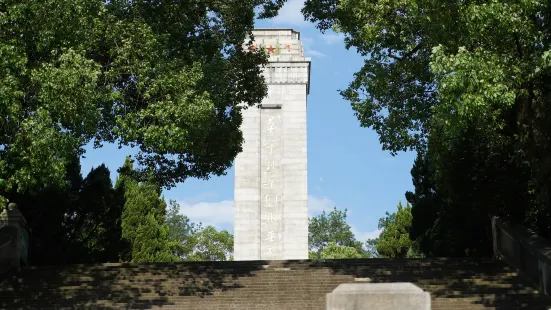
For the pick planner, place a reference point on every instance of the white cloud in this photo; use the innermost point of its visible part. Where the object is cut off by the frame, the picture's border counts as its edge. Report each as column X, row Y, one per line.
column 332, row 37
column 201, row 197
column 208, row 213
column 308, row 51
column 316, row 205
column 363, row 236
column 290, row 14
column 220, row 213
column 306, row 41
column 314, row 53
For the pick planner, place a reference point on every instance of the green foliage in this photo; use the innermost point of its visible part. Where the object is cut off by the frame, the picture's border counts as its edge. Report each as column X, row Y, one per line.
column 47, row 212
column 371, row 248
column 394, row 241
column 334, row 251
column 94, row 222
column 437, row 63
column 141, row 199
column 414, row 251
column 192, row 242
column 140, row 210
column 209, row 244
column 453, row 220
column 180, row 231
column 167, row 77
column 151, row 241
column 143, row 220
column 76, row 224
column 468, row 85
column 331, row 227
column 97, row 218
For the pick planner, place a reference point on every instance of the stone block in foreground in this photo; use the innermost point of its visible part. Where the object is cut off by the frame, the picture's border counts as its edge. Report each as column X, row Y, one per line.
column 377, row 296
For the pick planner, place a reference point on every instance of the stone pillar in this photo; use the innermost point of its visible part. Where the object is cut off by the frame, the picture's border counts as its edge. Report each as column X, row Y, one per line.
column 494, row 237
column 271, row 193
column 13, row 238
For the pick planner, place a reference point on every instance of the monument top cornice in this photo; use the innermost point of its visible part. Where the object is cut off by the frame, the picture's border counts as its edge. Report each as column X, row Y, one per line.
column 278, row 29
column 285, row 52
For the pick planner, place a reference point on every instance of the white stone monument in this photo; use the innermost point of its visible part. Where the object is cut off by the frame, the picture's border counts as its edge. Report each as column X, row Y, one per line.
column 271, row 193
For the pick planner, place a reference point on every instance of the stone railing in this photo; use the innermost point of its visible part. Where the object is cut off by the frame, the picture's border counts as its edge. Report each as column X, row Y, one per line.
column 14, row 239
column 524, row 250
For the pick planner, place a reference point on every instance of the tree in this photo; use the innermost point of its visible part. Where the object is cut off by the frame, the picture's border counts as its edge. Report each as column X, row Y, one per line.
column 180, row 225
column 166, row 76
column 78, row 224
column 394, row 240
column 209, row 244
column 181, row 231
column 95, row 219
column 453, row 199
column 330, row 227
column 334, row 251
column 467, row 85
column 371, row 248
column 434, row 63
column 192, row 242
column 143, row 223
column 151, row 242
column 46, row 211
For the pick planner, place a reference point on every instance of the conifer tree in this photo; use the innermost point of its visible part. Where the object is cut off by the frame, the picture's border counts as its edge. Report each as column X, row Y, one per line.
column 142, row 218
column 150, row 243
column 394, row 241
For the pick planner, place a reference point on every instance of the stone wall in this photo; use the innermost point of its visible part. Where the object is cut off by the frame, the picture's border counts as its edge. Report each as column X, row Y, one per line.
column 524, row 250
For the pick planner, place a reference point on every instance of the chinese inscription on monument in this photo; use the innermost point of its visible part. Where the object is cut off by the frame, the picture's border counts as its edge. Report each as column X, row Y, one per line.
column 271, row 187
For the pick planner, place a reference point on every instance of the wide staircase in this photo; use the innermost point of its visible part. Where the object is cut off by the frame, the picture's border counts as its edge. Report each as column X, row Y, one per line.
column 456, row 284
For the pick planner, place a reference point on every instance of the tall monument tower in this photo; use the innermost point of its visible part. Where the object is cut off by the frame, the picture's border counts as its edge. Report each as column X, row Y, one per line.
column 271, row 193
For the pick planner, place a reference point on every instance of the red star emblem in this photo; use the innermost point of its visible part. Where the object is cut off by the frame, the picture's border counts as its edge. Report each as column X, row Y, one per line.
column 271, row 49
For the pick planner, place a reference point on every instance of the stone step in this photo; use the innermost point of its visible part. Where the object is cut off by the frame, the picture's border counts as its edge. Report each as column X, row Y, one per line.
column 243, row 298
column 320, row 271
column 187, row 268
column 275, row 275
column 448, row 305
column 249, row 265
column 382, row 277
column 206, row 306
column 245, row 303
column 124, row 284
column 249, row 292
column 454, row 284
column 87, row 282
column 175, row 286
column 499, row 302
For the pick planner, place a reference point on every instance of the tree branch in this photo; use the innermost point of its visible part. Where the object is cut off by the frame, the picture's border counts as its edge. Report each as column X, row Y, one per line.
column 407, row 55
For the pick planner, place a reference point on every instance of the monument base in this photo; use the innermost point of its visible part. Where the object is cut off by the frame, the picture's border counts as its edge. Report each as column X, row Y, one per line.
column 378, row 296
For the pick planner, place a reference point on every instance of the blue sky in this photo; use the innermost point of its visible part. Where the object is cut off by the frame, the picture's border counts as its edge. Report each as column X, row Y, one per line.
column 346, row 165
